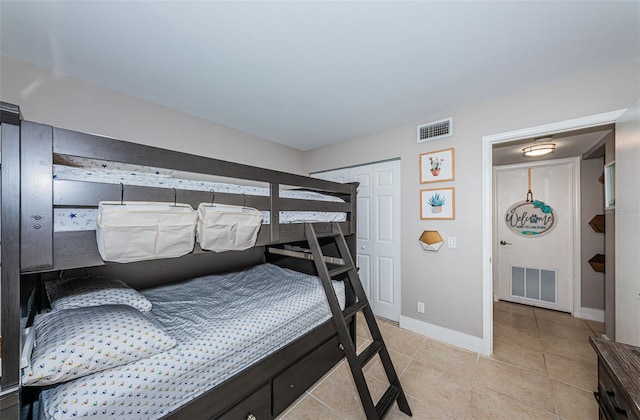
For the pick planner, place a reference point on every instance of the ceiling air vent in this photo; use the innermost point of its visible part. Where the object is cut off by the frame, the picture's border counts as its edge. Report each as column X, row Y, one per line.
column 435, row 130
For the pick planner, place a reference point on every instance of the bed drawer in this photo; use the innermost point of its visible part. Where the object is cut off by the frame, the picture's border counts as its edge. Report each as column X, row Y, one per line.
column 291, row 383
column 256, row 406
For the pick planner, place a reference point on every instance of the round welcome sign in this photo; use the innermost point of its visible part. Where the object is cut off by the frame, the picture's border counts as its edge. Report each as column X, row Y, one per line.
column 530, row 218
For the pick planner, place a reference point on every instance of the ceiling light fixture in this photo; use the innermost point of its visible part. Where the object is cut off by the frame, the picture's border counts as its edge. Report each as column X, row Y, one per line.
column 540, row 147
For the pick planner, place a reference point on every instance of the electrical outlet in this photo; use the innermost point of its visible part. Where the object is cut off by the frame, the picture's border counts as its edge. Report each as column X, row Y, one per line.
column 451, row 242
column 421, row 307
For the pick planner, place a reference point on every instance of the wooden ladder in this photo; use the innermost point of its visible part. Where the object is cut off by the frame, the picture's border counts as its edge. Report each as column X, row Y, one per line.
column 356, row 362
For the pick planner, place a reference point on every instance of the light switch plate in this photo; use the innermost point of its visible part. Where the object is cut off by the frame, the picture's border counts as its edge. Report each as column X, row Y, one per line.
column 451, row 242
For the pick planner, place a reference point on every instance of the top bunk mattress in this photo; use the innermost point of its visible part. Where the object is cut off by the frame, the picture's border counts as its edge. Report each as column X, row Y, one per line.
column 91, row 170
column 222, row 324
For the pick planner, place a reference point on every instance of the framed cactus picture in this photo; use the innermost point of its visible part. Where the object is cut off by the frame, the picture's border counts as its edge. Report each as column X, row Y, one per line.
column 437, row 203
column 437, row 166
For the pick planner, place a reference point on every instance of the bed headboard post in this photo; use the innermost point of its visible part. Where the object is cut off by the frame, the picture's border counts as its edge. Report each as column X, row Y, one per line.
column 10, row 113
column 353, row 219
column 274, row 227
column 10, row 275
column 36, row 183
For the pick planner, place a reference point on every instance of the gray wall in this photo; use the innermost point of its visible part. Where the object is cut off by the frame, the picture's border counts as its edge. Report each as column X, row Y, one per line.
column 66, row 102
column 591, row 204
column 450, row 281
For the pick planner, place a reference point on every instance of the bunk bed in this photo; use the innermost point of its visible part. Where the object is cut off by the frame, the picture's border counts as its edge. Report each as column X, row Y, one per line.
column 212, row 334
column 33, row 247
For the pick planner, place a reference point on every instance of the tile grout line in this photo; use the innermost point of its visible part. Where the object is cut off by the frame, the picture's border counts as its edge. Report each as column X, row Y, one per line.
column 315, row 385
column 473, row 379
column 546, row 369
column 546, row 375
column 411, row 359
column 325, row 377
column 293, row 406
column 333, row 410
column 546, row 366
column 544, row 354
column 511, row 397
column 552, row 336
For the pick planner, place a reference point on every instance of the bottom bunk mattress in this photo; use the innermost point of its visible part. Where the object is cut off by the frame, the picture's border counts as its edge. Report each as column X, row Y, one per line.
column 221, row 323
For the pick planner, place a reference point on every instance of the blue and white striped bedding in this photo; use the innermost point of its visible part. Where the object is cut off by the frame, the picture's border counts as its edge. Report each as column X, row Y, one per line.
column 222, row 324
column 74, row 219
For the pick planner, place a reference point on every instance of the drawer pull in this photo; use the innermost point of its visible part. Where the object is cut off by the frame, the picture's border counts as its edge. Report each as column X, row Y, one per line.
column 611, row 394
column 251, row 417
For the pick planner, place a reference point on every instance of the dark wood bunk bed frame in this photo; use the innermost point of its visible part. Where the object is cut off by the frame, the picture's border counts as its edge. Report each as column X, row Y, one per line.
column 31, row 250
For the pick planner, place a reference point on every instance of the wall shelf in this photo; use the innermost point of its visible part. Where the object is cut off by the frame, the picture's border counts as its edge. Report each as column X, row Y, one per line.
column 597, row 263
column 597, row 223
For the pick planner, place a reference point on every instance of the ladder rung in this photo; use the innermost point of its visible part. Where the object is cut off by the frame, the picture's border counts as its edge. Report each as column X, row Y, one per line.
column 369, row 352
column 351, row 310
column 340, row 270
column 327, row 234
column 390, row 396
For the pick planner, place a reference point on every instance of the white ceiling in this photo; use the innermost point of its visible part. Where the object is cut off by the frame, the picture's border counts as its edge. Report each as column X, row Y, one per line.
column 568, row 144
column 306, row 73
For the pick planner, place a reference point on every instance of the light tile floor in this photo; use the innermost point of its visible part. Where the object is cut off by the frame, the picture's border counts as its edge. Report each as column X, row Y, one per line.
column 543, row 367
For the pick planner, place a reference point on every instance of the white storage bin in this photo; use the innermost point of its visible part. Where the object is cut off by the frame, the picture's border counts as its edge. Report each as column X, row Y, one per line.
column 137, row 230
column 223, row 227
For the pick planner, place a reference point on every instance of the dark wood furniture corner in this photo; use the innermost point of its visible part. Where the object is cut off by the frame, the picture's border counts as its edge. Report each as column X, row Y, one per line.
column 618, row 393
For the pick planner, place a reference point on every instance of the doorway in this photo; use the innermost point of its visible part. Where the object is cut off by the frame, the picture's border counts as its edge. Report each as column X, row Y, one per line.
column 488, row 142
column 378, row 230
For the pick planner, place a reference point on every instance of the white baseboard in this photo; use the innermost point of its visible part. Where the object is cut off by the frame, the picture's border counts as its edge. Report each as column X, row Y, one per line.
column 455, row 338
column 592, row 314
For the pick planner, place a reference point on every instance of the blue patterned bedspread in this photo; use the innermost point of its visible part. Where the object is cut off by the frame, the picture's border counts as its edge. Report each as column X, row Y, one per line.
column 222, row 323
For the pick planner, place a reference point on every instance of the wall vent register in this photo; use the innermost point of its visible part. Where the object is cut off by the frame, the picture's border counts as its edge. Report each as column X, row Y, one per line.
column 435, row 130
column 534, row 283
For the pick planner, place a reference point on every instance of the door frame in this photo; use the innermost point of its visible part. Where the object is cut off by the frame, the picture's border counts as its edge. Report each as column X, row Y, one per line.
column 487, row 202
column 575, row 286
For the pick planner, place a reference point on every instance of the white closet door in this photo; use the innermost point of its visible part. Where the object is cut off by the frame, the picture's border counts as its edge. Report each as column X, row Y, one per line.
column 365, row 257
column 378, row 235
column 386, row 240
